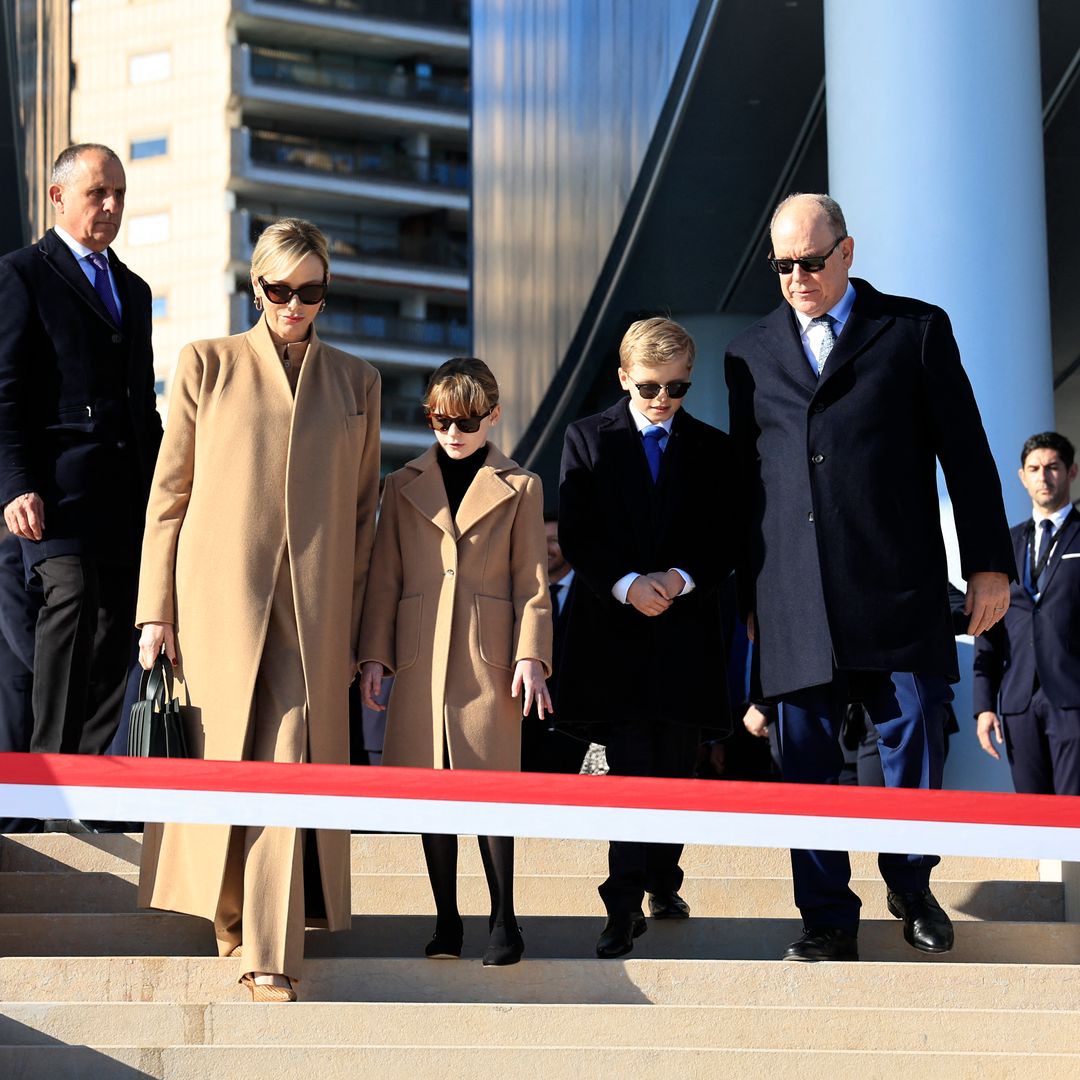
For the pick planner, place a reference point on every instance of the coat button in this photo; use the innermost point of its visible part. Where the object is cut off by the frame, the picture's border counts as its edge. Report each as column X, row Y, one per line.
column 449, row 573
column 810, row 517
column 117, row 338
column 817, row 459
column 121, row 445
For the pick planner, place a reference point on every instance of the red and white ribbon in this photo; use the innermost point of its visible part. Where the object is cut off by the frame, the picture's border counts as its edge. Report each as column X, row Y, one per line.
column 539, row 804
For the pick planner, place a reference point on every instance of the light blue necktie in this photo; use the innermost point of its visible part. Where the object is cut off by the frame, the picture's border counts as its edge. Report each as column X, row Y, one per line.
column 651, row 437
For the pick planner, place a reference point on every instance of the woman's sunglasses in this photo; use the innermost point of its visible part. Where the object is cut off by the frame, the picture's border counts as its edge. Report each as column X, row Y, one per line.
column 468, row 425
column 278, row 292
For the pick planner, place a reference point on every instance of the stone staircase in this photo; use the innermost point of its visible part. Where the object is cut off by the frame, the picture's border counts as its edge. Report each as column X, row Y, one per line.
column 92, row 988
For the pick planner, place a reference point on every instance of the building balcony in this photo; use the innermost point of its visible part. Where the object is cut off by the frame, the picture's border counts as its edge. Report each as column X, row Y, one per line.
column 436, row 263
column 435, row 28
column 306, row 86
column 352, row 176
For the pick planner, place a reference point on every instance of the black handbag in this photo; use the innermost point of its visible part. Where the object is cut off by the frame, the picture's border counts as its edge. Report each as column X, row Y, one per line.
column 157, row 718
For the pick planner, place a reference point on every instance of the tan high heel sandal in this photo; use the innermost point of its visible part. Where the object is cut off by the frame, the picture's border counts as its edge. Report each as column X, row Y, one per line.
column 267, row 991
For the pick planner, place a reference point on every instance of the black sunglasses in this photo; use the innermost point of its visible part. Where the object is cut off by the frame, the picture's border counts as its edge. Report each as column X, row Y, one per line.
column 278, row 292
column 811, row 264
column 649, row 390
column 468, row 425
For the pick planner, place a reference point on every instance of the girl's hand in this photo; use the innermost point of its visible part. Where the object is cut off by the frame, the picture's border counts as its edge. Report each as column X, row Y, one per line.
column 530, row 675
column 371, row 677
column 154, row 635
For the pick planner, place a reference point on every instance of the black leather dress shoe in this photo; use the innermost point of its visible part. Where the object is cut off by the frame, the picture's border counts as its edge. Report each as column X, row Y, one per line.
column 617, row 937
column 823, row 943
column 926, row 927
column 669, row 905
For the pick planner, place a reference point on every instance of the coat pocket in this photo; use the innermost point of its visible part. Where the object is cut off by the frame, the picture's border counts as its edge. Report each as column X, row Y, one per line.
column 407, row 631
column 495, row 629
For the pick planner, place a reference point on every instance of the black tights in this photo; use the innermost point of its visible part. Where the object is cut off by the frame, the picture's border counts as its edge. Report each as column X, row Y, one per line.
column 497, row 854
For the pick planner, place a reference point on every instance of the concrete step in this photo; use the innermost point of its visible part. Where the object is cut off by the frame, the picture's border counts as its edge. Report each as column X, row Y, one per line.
column 167, row 934
column 630, row 981
column 396, row 853
column 317, row 1024
column 402, row 894
column 464, row 1063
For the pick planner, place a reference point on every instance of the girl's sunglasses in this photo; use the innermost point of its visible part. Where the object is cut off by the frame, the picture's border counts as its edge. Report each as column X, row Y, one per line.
column 278, row 292
column 468, row 425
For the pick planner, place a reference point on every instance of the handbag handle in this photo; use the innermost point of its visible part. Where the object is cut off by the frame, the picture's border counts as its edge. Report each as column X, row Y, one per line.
column 156, row 685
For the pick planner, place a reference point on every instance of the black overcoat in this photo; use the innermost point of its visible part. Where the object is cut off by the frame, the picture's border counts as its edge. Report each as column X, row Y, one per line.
column 1041, row 638
column 619, row 666
column 78, row 417
column 844, row 563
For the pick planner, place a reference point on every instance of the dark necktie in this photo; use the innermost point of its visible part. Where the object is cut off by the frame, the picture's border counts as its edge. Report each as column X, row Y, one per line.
column 101, row 284
column 651, row 437
column 828, row 339
column 1040, row 555
column 555, row 588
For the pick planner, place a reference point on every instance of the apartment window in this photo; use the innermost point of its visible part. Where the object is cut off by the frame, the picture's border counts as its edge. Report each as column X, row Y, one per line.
column 149, row 148
column 159, row 307
column 148, row 229
column 150, row 67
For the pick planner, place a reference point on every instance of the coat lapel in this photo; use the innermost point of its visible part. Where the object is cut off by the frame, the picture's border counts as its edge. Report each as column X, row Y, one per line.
column 780, row 336
column 1065, row 537
column 487, row 490
column 427, row 493
column 59, row 258
column 862, row 328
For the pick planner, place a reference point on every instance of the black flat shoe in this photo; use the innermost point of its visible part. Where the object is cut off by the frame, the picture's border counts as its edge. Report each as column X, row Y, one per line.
column 617, row 937
column 445, row 943
column 504, row 953
column 926, row 927
column 668, row 905
column 827, row 943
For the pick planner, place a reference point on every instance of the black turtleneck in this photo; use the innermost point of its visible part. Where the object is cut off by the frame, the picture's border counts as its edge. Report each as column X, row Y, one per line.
column 457, row 475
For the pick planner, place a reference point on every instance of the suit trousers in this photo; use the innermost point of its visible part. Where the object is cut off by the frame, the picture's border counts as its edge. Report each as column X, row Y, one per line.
column 634, row 868
column 82, row 649
column 1043, row 744
column 262, row 902
column 908, row 711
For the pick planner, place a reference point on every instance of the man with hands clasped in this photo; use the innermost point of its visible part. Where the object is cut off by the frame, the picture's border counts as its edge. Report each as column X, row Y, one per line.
column 644, row 640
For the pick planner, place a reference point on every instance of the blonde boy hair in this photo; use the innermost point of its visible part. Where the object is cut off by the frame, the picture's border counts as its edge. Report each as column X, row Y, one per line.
column 463, row 386
column 283, row 244
column 656, row 341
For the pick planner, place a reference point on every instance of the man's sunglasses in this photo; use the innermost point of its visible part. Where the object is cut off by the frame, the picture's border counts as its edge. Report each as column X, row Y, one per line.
column 649, row 390
column 811, row 264
column 468, row 425
column 279, row 293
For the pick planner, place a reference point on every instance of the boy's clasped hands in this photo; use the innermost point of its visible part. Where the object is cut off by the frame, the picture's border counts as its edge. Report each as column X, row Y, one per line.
column 653, row 593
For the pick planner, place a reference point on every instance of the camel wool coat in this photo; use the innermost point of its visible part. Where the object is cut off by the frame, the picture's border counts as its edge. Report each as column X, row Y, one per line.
column 452, row 605
column 245, row 469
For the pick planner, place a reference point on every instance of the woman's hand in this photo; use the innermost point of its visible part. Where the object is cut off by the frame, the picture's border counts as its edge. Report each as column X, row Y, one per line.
column 371, row 677
column 155, row 635
column 530, row 675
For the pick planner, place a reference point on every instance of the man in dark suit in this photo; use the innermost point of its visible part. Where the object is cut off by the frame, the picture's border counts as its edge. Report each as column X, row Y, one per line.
column 1027, row 680
column 79, row 433
column 645, row 645
column 545, row 747
column 842, row 401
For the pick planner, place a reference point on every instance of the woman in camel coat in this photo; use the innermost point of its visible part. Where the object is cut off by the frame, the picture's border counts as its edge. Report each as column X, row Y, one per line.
column 255, row 559
column 458, row 610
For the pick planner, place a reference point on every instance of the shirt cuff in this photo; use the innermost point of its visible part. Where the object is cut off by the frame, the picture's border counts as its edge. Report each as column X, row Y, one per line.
column 622, row 587
column 689, row 586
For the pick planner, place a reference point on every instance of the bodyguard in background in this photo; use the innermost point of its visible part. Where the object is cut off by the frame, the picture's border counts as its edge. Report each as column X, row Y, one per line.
column 1027, row 680
column 79, row 434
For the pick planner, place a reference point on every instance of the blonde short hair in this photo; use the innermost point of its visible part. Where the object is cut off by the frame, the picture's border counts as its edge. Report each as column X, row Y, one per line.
column 463, row 386
column 283, row 244
column 656, row 341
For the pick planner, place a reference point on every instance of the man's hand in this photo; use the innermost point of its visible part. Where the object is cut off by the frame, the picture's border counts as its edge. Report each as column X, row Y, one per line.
column 986, row 722
column 756, row 722
column 25, row 516
column 987, row 600
column 648, row 596
column 671, row 581
column 751, row 629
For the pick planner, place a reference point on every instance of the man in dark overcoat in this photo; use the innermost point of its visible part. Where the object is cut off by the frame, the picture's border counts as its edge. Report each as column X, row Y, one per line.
column 79, row 433
column 843, row 400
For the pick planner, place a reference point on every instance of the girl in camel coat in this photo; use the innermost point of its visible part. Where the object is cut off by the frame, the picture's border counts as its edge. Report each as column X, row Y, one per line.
column 458, row 610
column 255, row 559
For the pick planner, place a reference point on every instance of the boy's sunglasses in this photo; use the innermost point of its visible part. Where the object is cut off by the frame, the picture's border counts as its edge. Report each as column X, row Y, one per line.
column 278, row 292
column 468, row 425
column 811, row 264
column 649, row 390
